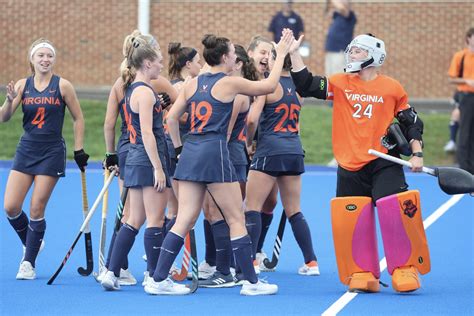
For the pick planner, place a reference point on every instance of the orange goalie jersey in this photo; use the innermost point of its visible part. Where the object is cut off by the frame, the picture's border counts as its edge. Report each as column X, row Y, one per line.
column 362, row 112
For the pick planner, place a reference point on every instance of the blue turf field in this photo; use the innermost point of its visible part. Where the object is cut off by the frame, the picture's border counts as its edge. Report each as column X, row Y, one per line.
column 447, row 289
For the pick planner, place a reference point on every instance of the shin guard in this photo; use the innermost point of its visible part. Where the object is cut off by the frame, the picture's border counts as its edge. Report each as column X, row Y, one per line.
column 403, row 235
column 355, row 242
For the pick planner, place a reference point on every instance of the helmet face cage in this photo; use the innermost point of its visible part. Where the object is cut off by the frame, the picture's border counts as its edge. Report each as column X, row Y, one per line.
column 375, row 53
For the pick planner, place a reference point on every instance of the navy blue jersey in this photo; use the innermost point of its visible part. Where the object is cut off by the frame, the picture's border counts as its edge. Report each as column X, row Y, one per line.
column 137, row 154
column 237, row 140
column 206, row 114
column 43, row 111
column 278, row 130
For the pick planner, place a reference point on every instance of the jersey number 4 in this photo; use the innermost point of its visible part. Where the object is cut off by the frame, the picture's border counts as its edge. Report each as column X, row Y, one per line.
column 39, row 118
column 358, row 108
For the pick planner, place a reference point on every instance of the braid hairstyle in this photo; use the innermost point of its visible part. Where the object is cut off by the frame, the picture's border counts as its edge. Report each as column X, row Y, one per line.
column 248, row 68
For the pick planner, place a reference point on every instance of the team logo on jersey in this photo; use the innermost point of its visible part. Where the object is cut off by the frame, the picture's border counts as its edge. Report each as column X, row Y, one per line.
column 52, row 91
column 289, row 91
column 409, row 208
column 364, row 97
column 203, row 88
column 27, row 92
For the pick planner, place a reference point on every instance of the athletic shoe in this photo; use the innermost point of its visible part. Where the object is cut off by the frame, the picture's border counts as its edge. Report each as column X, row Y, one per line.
column 256, row 267
column 364, row 282
column 146, row 277
column 332, row 163
column 205, row 271
column 26, row 271
column 239, row 279
column 259, row 288
column 24, row 250
column 144, row 257
column 450, row 147
column 405, row 279
column 165, row 287
column 110, row 282
column 174, row 269
column 101, row 274
column 310, row 268
column 218, row 280
column 126, row 278
column 260, row 257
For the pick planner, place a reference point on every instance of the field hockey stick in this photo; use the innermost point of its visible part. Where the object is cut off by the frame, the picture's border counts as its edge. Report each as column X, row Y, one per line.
column 87, row 233
column 194, row 263
column 186, row 259
column 83, row 227
column 451, row 180
column 103, row 227
column 277, row 246
column 119, row 213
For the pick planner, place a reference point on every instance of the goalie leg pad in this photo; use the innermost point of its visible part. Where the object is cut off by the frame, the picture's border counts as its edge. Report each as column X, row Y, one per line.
column 402, row 229
column 355, row 242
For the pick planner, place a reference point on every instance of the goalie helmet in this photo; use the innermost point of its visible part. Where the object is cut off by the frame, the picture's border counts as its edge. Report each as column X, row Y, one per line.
column 376, row 53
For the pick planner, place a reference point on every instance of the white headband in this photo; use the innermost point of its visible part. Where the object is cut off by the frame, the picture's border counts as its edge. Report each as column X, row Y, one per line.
column 42, row 45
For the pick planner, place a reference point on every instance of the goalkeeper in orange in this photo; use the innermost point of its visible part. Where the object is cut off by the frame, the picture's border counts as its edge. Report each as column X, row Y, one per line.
column 365, row 104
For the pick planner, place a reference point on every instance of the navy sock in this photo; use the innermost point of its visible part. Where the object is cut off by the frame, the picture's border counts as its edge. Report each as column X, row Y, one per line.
column 123, row 243
column 153, row 239
column 20, row 225
column 242, row 248
column 168, row 225
column 221, row 233
column 266, row 221
column 303, row 236
column 169, row 250
column 33, row 239
column 453, row 130
column 111, row 246
column 253, row 222
column 210, row 255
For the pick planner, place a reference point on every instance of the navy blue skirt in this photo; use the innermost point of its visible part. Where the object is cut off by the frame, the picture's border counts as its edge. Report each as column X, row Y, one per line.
column 41, row 158
column 122, row 152
column 205, row 158
column 279, row 165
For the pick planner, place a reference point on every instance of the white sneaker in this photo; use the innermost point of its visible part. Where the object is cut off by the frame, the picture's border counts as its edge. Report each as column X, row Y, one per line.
column 165, row 287
column 144, row 257
column 26, row 271
column 126, row 278
column 41, row 249
column 174, row 269
column 205, row 271
column 110, row 282
column 259, row 288
column 256, row 267
column 332, row 163
column 101, row 274
column 450, row 146
column 310, row 268
column 146, row 277
column 261, row 256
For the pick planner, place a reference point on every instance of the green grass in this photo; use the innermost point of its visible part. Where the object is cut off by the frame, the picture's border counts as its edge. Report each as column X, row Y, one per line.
column 315, row 133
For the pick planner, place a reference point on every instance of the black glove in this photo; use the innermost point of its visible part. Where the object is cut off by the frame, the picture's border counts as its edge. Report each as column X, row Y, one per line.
column 111, row 160
column 165, row 100
column 81, row 158
column 177, row 152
